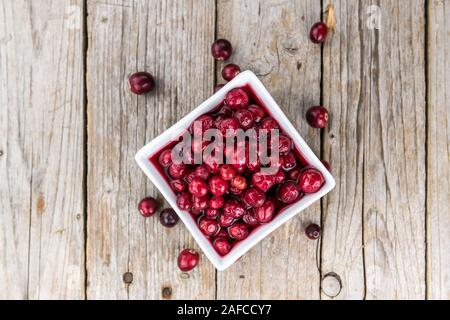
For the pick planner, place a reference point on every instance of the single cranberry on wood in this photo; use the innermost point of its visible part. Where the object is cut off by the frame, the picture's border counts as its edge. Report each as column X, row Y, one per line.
column 230, row 71
column 188, row 259
column 168, row 218
column 319, row 32
column 148, row 206
column 221, row 49
column 313, row 231
column 141, row 82
column 317, row 117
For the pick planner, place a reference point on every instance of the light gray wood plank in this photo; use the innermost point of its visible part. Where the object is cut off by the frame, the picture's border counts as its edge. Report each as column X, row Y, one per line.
column 271, row 39
column 42, row 150
column 170, row 39
column 438, row 235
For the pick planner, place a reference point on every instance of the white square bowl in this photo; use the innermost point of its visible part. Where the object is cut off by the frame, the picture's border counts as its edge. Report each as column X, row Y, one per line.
column 243, row 79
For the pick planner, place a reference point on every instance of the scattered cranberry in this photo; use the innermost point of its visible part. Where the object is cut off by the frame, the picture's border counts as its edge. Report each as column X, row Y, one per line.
column 198, row 187
column 245, row 118
column 208, row 226
column 227, row 172
column 233, row 208
column 326, row 165
column 184, row 201
column 254, row 197
column 218, row 186
column 317, row 117
column 141, row 82
column 225, row 221
column 313, row 231
column 165, row 158
column 265, row 213
column 188, row 260
column 289, row 192
column 230, row 71
column 237, row 99
column 311, row 180
column 221, row 49
column 168, row 218
column 202, row 172
column 216, row 202
column 318, row 32
column 177, row 171
column 222, row 245
column 239, row 183
column 212, row 213
column 258, row 113
column 148, row 206
column 217, row 87
column 238, row 231
column 200, row 203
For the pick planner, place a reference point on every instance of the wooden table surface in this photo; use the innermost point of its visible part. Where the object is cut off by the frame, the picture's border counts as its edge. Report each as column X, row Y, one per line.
column 69, row 129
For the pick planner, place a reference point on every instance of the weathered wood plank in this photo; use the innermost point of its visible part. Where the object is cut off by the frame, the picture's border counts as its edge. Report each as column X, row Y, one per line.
column 171, row 39
column 438, row 239
column 271, row 39
column 42, row 150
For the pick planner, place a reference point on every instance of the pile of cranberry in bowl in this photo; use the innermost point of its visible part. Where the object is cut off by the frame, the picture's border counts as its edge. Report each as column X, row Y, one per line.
column 235, row 169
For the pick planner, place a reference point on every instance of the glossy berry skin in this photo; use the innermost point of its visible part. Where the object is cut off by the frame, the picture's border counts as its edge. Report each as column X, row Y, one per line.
column 202, row 123
column 148, row 206
column 189, row 176
column 225, row 221
column 141, row 82
column 269, row 124
column 188, row 259
column 311, row 180
column 184, row 201
column 317, row 117
column 230, row 71
column 232, row 208
column 208, row 226
column 250, row 219
column 178, row 185
column 319, row 32
column 177, row 171
column 254, row 197
column 198, row 187
column 263, row 182
column 288, row 162
column 222, row 245
column 218, row 186
column 228, row 127
column 221, row 49
column 238, row 231
column 313, row 232
column 212, row 213
column 227, row 172
column 289, row 192
column 216, row 202
column 168, row 218
column 202, row 172
column 237, row 98
column 165, row 158
column 200, row 203
column 295, row 174
column 239, row 183
column 284, row 144
column 245, row 118
column 258, row 113
column 266, row 212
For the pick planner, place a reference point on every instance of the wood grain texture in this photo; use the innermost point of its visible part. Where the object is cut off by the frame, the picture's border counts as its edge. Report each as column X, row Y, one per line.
column 438, row 239
column 271, row 39
column 42, row 150
column 170, row 39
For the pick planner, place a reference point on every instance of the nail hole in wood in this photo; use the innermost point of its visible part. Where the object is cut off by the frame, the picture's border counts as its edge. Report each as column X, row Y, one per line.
column 242, row 277
column 331, row 284
column 1, row 153
column 184, row 275
column 167, row 292
column 128, row 277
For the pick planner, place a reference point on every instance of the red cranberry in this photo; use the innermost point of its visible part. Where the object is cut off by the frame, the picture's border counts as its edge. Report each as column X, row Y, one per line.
column 313, row 231
column 254, row 166
column 141, row 82
column 165, row 158
column 284, row 144
column 237, row 99
column 196, row 211
column 258, row 113
column 311, row 180
column 226, row 111
column 318, row 32
column 217, row 87
column 202, row 172
column 288, row 161
column 148, row 206
column 177, row 171
column 295, row 174
column 188, row 260
column 212, row 213
column 326, row 165
column 184, row 201
column 222, row 245
column 235, row 191
column 190, row 176
column 269, row 124
column 168, row 218
column 250, row 218
column 254, row 197
column 238, row 231
column 245, row 118
column 289, row 192
column 239, row 183
column 227, row 172
column 208, row 226
column 221, row 49
column 218, row 186
column 265, row 213
column 200, row 203
column 216, row 202
column 178, row 185
column 198, row 187
column 232, row 208
column 263, row 182
column 228, row 126
column 317, row 117
column 225, row 221
column 223, row 233
column 280, row 177
column 230, row 71
column 201, row 124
